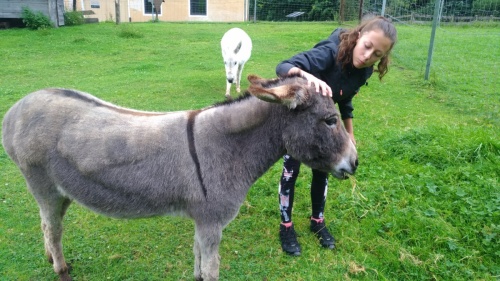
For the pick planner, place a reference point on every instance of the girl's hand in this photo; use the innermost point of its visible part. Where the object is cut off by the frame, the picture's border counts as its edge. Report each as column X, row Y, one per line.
column 352, row 139
column 320, row 85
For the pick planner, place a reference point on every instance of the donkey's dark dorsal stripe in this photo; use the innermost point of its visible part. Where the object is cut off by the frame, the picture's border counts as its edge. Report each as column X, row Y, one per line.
column 192, row 148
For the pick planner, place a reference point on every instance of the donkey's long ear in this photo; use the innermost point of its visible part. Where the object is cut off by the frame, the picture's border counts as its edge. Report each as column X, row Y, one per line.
column 290, row 95
column 255, row 79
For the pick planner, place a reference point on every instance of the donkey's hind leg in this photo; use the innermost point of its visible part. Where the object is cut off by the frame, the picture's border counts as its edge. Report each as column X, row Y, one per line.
column 52, row 217
column 53, row 206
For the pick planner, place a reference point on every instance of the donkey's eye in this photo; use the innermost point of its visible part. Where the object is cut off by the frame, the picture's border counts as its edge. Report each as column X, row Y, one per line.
column 330, row 121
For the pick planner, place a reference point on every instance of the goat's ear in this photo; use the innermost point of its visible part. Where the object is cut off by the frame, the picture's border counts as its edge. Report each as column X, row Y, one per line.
column 238, row 47
column 289, row 95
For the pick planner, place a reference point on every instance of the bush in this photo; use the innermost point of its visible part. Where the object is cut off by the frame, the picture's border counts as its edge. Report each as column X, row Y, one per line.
column 36, row 20
column 73, row 18
column 127, row 32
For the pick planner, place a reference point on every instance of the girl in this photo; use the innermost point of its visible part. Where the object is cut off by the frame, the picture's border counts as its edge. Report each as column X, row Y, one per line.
column 337, row 67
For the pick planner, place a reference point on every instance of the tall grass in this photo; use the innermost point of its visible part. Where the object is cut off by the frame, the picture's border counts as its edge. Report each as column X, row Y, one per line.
column 424, row 205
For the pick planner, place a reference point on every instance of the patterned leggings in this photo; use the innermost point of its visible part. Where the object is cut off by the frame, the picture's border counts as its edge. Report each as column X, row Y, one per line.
column 319, row 188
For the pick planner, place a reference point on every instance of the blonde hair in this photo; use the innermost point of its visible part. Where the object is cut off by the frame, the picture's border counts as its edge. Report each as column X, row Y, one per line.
column 349, row 39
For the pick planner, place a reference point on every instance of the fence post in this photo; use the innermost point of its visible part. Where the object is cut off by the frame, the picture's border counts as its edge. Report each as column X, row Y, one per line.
column 254, row 11
column 431, row 44
column 360, row 15
column 341, row 12
column 117, row 11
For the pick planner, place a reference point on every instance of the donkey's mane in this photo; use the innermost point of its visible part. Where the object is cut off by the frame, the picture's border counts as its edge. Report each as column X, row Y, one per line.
column 240, row 98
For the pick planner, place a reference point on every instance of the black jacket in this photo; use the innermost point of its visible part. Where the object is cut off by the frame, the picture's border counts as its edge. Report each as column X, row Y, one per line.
column 321, row 61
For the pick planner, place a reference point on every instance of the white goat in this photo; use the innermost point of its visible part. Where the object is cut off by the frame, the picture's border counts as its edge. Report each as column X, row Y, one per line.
column 236, row 48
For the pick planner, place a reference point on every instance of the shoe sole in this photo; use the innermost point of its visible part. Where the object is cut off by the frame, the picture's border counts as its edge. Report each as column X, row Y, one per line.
column 331, row 247
column 294, row 254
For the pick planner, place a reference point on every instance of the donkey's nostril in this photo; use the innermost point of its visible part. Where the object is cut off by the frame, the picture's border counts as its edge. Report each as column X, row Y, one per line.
column 356, row 163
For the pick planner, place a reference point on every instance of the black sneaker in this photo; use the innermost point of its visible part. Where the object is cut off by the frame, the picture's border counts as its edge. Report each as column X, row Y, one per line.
column 325, row 238
column 288, row 239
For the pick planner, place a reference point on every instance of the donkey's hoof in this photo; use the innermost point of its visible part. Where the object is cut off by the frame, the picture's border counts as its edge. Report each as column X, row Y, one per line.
column 65, row 277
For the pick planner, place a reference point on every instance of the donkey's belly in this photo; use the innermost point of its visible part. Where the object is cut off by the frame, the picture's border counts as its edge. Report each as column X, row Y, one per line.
column 117, row 196
column 113, row 203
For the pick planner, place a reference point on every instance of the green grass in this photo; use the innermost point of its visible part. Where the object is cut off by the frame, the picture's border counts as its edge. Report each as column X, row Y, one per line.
column 424, row 205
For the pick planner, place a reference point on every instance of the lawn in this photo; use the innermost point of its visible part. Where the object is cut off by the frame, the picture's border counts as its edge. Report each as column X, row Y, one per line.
column 424, row 204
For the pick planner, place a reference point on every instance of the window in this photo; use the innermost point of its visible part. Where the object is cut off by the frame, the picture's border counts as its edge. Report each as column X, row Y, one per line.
column 148, row 7
column 94, row 4
column 198, row 7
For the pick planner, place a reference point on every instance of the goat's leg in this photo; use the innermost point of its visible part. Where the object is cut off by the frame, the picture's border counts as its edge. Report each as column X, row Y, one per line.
column 206, row 250
column 53, row 206
column 228, row 90
column 238, row 77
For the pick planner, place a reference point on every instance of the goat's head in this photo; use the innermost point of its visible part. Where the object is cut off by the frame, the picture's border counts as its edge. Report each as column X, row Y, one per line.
column 231, row 62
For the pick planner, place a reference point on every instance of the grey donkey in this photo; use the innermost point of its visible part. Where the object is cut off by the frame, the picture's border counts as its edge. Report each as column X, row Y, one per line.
column 71, row 146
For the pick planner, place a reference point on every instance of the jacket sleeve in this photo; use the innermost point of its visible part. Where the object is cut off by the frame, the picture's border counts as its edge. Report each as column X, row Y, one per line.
column 346, row 109
column 314, row 61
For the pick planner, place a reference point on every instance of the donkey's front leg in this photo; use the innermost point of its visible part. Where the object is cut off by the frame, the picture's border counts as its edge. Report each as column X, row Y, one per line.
column 206, row 251
column 197, row 260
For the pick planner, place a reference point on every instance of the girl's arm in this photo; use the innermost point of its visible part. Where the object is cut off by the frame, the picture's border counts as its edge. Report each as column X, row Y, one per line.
column 349, row 128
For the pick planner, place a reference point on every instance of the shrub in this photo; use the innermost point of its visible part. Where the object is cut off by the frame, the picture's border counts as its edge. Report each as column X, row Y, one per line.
column 73, row 18
column 36, row 20
column 127, row 32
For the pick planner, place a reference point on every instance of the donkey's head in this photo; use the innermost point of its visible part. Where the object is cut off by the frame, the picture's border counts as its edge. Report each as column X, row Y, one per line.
column 313, row 132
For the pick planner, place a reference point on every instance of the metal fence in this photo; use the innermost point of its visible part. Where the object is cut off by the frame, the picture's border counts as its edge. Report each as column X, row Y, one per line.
column 412, row 12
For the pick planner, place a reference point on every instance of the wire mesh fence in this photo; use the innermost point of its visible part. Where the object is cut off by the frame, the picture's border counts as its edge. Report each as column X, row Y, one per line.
column 413, row 11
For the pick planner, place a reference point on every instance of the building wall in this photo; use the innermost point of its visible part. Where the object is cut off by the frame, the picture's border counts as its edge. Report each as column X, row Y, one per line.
column 54, row 9
column 171, row 10
column 13, row 8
